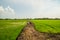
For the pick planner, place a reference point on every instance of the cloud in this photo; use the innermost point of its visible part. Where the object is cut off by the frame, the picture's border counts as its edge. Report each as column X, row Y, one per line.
column 35, row 3
column 40, row 8
column 7, row 12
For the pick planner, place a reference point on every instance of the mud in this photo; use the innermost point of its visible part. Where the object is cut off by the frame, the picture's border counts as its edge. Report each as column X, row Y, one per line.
column 29, row 33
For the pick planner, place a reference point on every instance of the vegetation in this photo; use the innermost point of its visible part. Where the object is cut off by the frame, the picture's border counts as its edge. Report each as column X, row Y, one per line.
column 9, row 29
column 50, row 26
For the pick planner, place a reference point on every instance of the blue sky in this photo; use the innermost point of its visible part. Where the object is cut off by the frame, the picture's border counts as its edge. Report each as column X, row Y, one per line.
column 29, row 8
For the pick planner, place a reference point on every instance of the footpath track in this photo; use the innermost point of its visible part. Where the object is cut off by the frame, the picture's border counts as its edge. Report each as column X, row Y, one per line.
column 29, row 33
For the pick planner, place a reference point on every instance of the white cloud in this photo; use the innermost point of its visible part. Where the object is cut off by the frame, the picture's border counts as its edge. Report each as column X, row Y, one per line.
column 7, row 12
column 35, row 3
column 41, row 8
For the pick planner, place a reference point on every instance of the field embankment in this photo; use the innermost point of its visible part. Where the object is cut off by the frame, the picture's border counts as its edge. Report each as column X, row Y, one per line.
column 30, row 33
column 9, row 29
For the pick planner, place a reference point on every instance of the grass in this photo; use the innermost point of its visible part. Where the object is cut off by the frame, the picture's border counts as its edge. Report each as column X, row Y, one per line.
column 50, row 26
column 9, row 29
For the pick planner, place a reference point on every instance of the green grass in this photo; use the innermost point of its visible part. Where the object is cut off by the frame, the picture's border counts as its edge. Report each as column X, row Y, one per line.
column 9, row 29
column 50, row 26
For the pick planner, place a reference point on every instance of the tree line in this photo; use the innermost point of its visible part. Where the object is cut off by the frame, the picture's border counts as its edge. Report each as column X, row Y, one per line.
column 31, row 19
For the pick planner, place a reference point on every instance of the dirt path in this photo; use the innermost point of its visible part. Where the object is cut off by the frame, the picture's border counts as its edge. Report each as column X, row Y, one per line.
column 29, row 33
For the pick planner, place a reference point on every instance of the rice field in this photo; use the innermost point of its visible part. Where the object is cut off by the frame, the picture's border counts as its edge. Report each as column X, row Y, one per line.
column 50, row 26
column 9, row 29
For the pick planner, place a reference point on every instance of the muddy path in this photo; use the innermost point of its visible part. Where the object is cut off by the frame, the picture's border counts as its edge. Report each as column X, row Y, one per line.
column 29, row 33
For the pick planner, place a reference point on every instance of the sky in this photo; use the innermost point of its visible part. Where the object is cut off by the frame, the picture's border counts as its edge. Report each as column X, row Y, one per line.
column 29, row 8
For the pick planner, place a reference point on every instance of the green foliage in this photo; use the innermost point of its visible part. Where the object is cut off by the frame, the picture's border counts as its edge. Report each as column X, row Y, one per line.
column 50, row 26
column 9, row 29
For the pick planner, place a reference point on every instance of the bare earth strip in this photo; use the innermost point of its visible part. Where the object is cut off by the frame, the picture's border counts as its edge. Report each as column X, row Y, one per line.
column 29, row 33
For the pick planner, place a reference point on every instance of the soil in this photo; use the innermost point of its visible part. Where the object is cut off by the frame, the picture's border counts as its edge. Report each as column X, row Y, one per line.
column 29, row 33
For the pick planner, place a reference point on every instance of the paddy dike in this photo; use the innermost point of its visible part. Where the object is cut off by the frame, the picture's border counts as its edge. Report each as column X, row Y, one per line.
column 29, row 33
